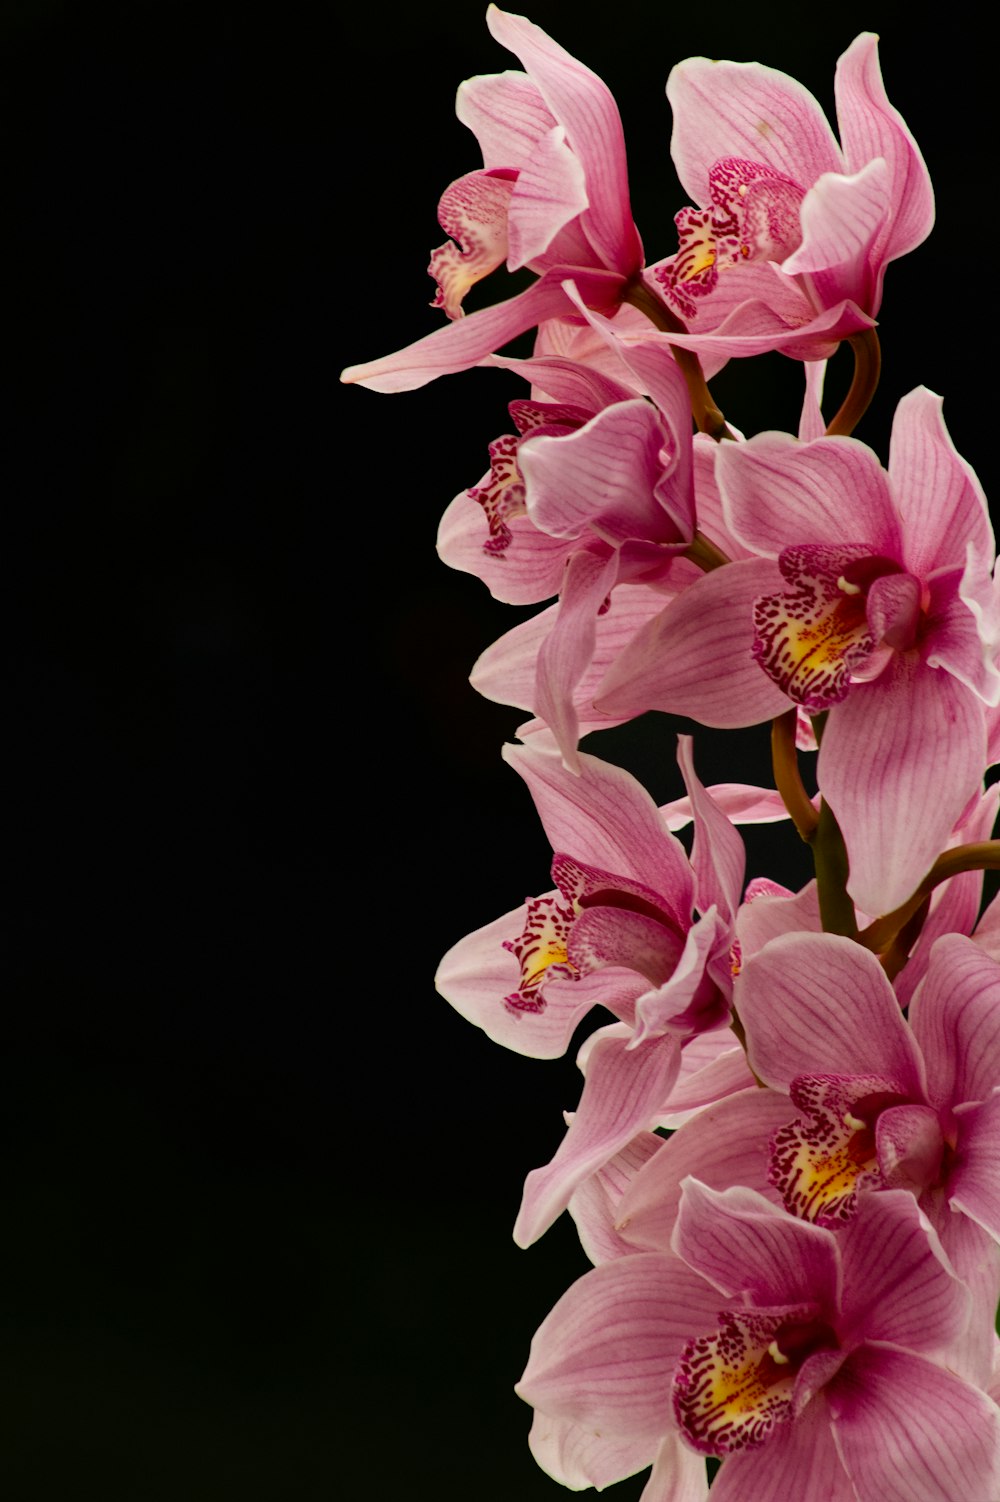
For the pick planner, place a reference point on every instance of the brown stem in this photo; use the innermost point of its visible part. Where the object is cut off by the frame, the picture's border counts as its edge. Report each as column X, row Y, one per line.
column 702, row 551
column 706, row 414
column 867, row 366
column 895, row 957
column 836, row 909
column 787, row 778
column 982, row 855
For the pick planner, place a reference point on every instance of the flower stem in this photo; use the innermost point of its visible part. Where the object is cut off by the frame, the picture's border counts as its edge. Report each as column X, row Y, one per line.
column 867, row 366
column 706, row 414
column 787, row 778
column 702, row 551
column 983, row 855
column 836, row 909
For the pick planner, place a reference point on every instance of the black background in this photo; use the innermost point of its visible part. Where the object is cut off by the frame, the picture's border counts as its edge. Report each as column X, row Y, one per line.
column 256, row 1178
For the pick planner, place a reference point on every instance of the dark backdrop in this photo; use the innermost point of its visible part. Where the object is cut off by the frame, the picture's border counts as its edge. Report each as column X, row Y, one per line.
column 257, row 1178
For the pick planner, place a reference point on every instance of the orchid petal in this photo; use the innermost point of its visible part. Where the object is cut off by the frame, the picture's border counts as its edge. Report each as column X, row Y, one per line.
column 812, row 423
column 974, row 1185
column 778, row 492
column 743, row 1244
column 529, row 569
column 549, row 193
column 507, row 115
column 955, row 1017
column 726, row 1144
column 594, row 1205
column 871, row 127
column 679, row 1475
column 880, row 770
column 695, row 658
column 841, row 219
column 764, row 917
column 622, row 1093
column 713, row 1066
column 821, row 1004
column 940, row 500
column 726, row 109
column 911, row 1431
column 576, row 1456
column 605, row 818
column 799, row 1461
column 565, row 654
column 741, row 802
column 718, row 856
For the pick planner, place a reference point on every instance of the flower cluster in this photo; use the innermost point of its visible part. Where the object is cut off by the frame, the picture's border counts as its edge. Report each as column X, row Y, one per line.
column 783, row 1162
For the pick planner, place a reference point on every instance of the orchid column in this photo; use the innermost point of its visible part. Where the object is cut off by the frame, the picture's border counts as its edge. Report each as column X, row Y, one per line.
column 779, row 580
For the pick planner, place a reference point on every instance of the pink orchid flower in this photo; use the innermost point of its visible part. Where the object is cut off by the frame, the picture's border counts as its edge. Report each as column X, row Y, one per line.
column 882, row 1102
column 552, row 196
column 788, row 246
column 871, row 597
column 618, row 931
column 595, row 492
column 815, row 1364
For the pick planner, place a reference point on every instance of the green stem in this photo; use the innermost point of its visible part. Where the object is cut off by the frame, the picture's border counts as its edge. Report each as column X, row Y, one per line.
column 706, row 414
column 830, row 860
column 787, row 778
column 898, row 952
column 705, row 554
column 982, row 855
column 867, row 367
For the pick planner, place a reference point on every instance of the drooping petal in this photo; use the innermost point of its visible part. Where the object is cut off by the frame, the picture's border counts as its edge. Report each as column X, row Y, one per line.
column 622, row 1093
column 741, row 802
column 778, row 493
column 718, row 857
column 594, row 1205
column 468, row 340
column 582, row 103
column 911, row 1431
column 726, row 109
column 880, row 770
column 955, row 1017
column 695, row 658
column 725, row 1144
column 870, row 127
column 605, row 1354
column 605, row 818
column 819, row 1003
column 744, row 1244
column 939, row 497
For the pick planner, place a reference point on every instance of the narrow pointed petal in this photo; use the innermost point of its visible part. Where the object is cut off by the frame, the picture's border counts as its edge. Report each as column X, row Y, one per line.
column 605, row 1354
column 778, row 492
column 770, row 318
column 622, row 1093
column 910, row 1431
column 821, row 1004
column 940, row 499
column 800, row 1461
column 582, row 103
column 594, row 1205
column 870, row 127
column 741, row 802
column 726, row 1144
column 725, row 109
column 898, row 1284
column 565, row 654
column 605, row 818
column 744, row 1244
column 696, row 657
column 577, row 1457
column 880, row 770
column 468, row 340
column 718, row 856
column 955, row 1017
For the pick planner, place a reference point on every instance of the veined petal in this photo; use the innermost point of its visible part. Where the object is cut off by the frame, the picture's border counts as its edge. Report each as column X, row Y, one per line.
column 765, row 916
column 468, row 340
column 778, row 493
column 939, row 498
column 871, row 127
column 565, row 654
column 841, row 219
column 726, row 109
column 741, row 802
column 507, row 115
column 713, row 1066
column 550, row 191
column 529, row 569
column 582, row 103
column 973, row 1183
column 955, row 1017
column 742, row 1243
column 679, row 1475
column 911, row 1431
column 718, row 857
column 605, row 818
column 812, row 423
column 473, row 212
column 605, row 1354
column 725, row 1144
column 819, row 1003
column 622, row 1093
column 880, row 770
column 594, row 1205
column 799, row 1461
column 695, row 658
